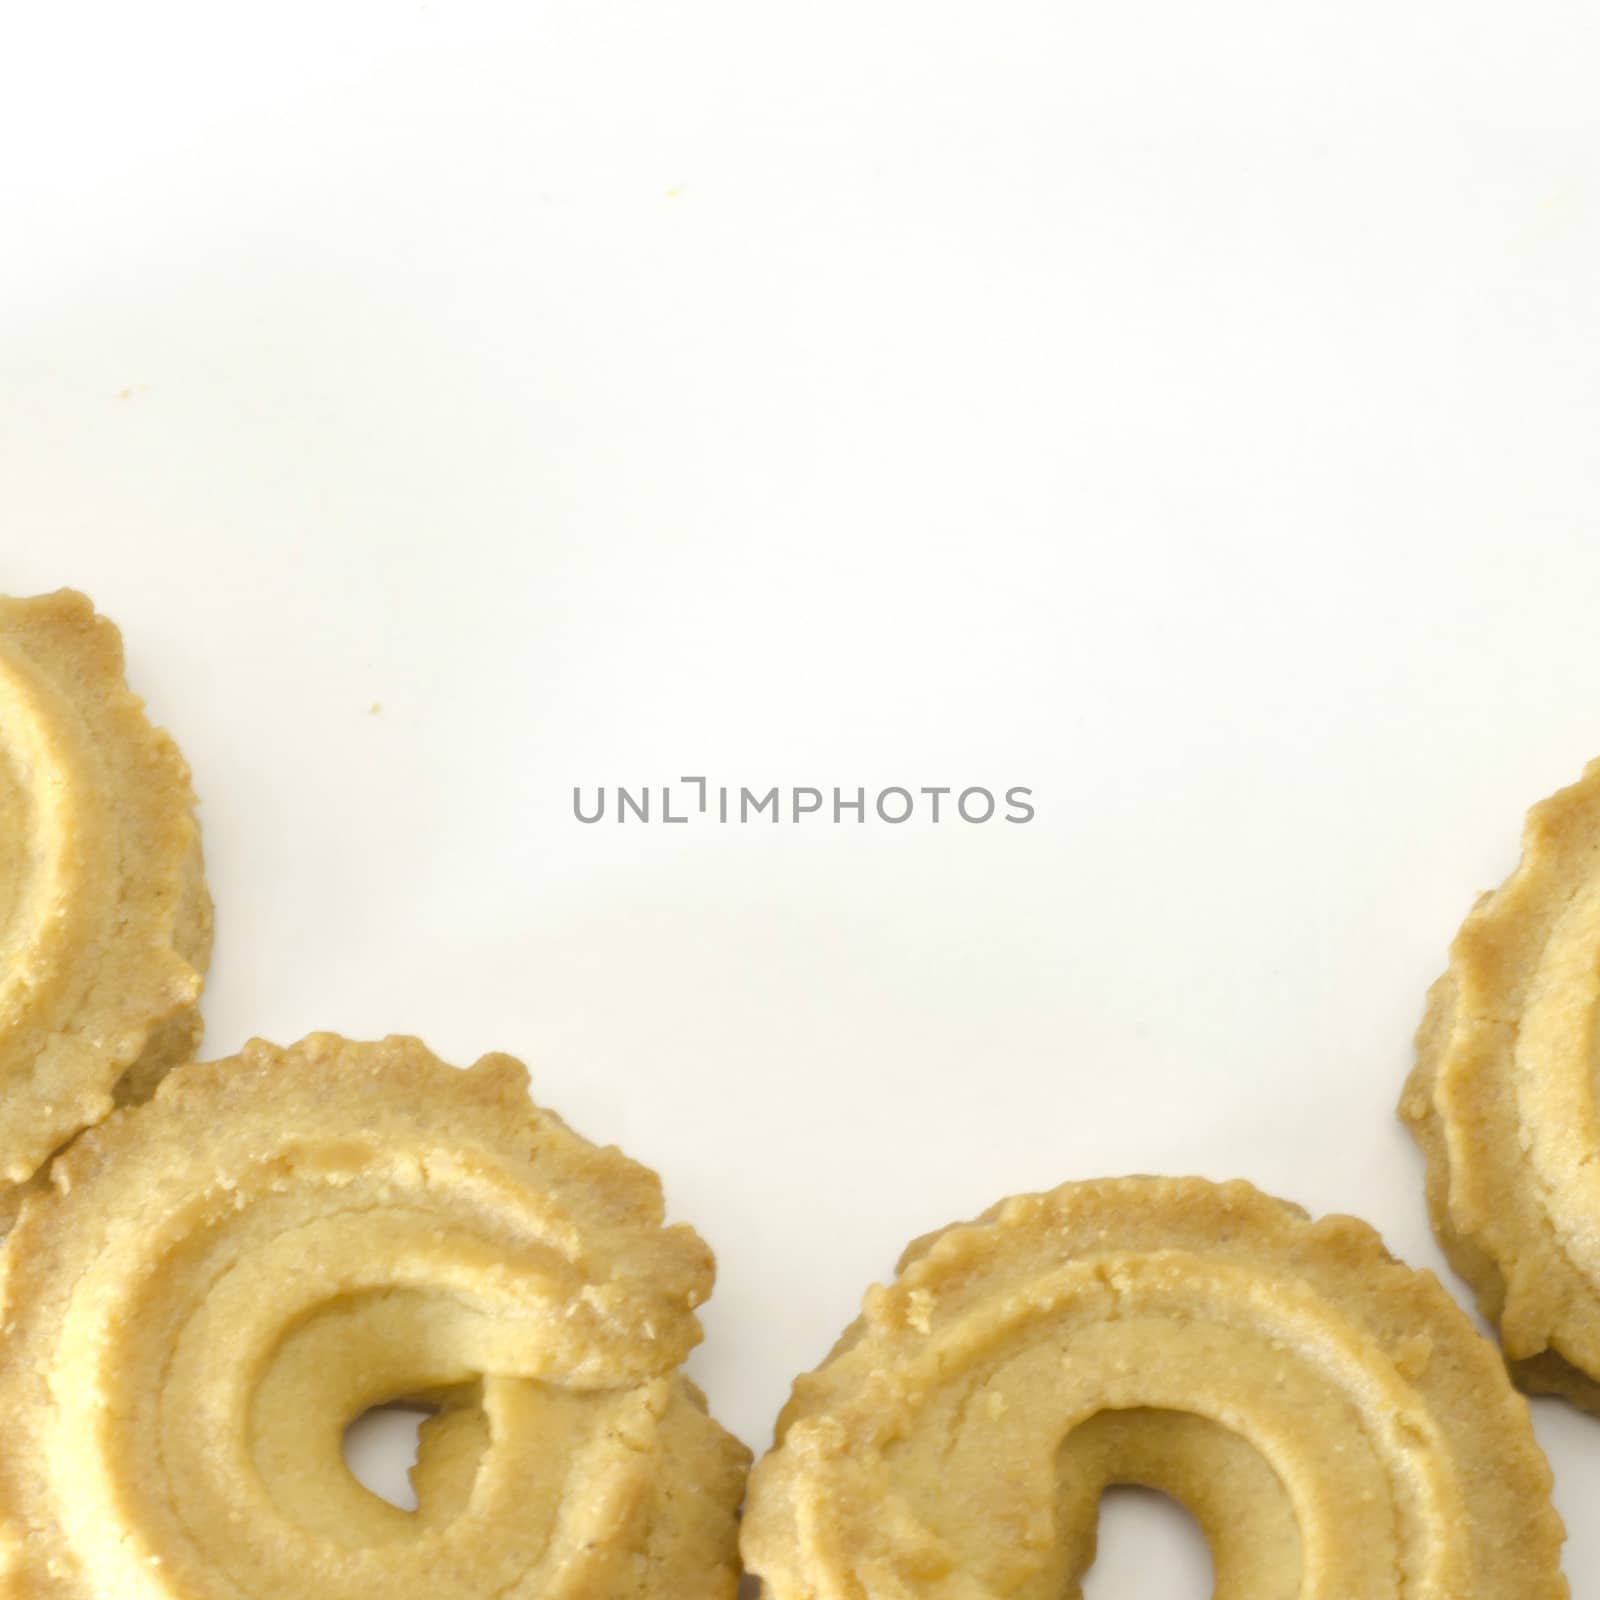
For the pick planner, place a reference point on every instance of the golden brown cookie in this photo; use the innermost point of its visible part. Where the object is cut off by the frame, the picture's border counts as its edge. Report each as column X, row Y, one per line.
column 1328, row 1415
column 105, row 923
column 1502, row 1100
column 216, row 1284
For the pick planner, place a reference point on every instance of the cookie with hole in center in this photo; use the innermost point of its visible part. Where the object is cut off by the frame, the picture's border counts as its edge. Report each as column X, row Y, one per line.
column 1328, row 1415
column 1502, row 1100
column 217, row 1283
column 105, row 922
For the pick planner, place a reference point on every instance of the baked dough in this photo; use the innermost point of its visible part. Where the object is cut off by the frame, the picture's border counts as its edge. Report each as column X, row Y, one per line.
column 105, row 923
column 1328, row 1415
column 1502, row 1100
column 217, row 1283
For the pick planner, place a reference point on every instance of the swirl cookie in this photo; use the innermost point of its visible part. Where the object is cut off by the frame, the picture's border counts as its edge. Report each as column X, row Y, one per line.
column 1502, row 1100
column 217, row 1283
column 1328, row 1416
column 105, row 923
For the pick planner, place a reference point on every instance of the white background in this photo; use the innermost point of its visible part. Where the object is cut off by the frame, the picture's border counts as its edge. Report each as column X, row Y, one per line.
column 1189, row 412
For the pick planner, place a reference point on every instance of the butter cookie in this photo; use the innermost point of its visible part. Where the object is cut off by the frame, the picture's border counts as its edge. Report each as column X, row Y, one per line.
column 1502, row 1100
column 105, row 922
column 216, row 1284
column 1326, row 1414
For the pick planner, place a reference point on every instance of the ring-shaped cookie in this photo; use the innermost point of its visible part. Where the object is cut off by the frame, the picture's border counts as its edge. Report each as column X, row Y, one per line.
column 105, row 923
column 217, row 1283
column 1502, row 1100
column 1328, row 1415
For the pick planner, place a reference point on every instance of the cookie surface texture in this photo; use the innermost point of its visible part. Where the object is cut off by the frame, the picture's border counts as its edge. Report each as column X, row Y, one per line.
column 217, row 1283
column 105, row 923
column 1502, row 1100
column 1328, row 1416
